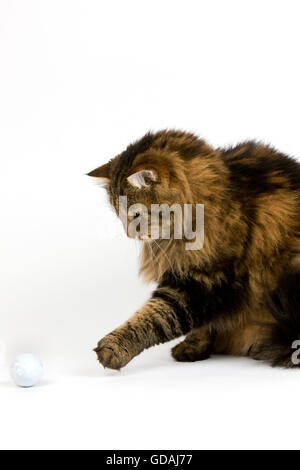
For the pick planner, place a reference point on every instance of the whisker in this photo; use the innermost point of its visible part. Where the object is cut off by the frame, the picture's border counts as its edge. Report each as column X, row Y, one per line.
column 164, row 253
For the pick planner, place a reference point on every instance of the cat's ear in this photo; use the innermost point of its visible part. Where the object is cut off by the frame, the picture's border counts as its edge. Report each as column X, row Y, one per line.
column 101, row 174
column 142, row 178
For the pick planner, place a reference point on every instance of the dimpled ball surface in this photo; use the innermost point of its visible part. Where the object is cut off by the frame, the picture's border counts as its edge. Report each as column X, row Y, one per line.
column 26, row 370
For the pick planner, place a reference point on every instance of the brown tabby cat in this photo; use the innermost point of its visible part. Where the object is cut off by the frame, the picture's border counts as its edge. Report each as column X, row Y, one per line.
column 240, row 293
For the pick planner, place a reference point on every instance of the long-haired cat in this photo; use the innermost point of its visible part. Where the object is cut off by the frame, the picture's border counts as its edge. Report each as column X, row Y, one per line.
column 240, row 293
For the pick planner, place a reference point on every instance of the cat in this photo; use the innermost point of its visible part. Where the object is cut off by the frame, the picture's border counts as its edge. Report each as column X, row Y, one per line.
column 240, row 293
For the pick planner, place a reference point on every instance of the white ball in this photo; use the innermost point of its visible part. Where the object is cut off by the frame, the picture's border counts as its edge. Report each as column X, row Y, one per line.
column 26, row 370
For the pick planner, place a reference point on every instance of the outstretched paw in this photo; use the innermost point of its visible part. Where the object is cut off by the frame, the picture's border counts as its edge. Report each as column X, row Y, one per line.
column 112, row 355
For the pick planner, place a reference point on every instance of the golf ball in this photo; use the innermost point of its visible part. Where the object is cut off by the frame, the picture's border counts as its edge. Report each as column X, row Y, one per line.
column 26, row 370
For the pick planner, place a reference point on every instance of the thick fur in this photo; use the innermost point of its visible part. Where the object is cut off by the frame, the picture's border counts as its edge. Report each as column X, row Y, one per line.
column 240, row 293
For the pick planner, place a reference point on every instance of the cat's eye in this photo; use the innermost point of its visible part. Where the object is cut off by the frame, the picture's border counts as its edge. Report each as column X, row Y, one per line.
column 136, row 215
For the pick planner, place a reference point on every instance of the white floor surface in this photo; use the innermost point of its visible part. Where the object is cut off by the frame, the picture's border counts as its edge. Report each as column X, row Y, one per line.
column 154, row 403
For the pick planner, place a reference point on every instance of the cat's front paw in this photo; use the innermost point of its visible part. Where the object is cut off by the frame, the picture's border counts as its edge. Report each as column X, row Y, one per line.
column 112, row 355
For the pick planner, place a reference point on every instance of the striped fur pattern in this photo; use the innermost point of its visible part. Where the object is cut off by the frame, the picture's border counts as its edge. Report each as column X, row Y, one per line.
column 239, row 294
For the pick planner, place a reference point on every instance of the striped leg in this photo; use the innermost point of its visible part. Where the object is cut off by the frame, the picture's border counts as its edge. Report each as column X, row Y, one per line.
column 164, row 317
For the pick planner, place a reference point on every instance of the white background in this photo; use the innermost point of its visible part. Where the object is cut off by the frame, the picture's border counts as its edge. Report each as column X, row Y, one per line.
column 79, row 80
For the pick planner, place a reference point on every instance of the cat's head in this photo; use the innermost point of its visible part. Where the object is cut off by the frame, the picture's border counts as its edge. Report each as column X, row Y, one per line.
column 157, row 169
